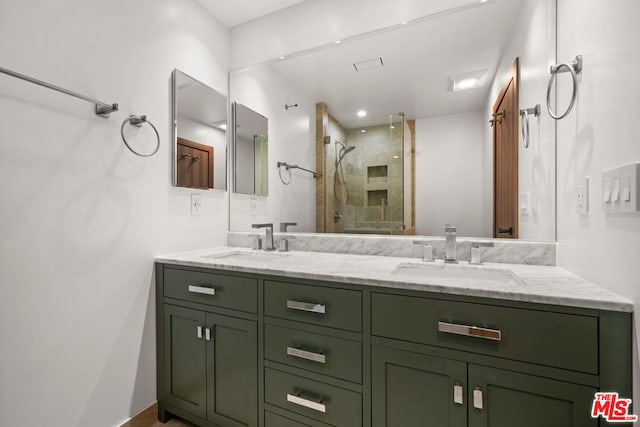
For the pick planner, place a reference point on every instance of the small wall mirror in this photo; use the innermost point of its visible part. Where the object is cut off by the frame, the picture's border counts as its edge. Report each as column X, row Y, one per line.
column 200, row 134
column 251, row 151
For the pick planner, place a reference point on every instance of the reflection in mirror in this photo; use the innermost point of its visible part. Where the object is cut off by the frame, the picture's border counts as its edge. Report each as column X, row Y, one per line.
column 446, row 72
column 251, row 151
column 200, row 125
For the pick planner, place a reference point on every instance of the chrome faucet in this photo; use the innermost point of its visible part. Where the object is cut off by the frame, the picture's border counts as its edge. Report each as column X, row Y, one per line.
column 450, row 235
column 268, row 242
column 284, row 225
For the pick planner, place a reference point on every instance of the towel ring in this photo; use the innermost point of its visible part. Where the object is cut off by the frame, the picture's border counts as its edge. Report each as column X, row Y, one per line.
column 137, row 121
column 524, row 123
column 573, row 68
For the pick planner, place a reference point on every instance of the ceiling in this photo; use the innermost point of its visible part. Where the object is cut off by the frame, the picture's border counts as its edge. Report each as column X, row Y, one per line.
column 236, row 12
column 418, row 60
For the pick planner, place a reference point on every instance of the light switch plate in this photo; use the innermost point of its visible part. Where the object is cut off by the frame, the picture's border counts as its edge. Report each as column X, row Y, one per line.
column 621, row 189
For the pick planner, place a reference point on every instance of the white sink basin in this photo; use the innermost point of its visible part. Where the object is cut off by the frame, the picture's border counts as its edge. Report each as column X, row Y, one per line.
column 457, row 272
column 262, row 257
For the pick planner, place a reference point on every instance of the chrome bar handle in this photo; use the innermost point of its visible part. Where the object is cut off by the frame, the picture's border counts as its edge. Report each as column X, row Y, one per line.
column 307, row 355
column 307, row 306
column 199, row 332
column 477, row 399
column 470, row 331
column 297, row 400
column 458, row 394
column 202, row 290
column 207, row 334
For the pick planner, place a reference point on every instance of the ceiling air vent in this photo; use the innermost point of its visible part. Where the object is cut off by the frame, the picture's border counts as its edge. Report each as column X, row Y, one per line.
column 370, row 64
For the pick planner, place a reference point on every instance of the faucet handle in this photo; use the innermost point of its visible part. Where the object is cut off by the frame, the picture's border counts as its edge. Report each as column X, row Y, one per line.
column 427, row 250
column 475, row 257
column 284, row 243
column 257, row 241
column 284, row 225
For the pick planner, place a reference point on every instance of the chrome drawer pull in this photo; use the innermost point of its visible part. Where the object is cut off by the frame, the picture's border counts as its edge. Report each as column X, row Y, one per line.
column 202, row 290
column 458, row 394
column 297, row 400
column 303, row 354
column 307, row 306
column 199, row 332
column 470, row 331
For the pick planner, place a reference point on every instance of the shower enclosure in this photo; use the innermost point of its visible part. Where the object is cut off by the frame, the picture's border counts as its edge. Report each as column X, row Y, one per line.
column 367, row 176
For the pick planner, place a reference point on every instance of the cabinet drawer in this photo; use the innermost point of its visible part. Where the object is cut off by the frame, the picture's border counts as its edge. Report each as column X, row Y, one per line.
column 336, row 308
column 546, row 338
column 238, row 293
column 332, row 405
column 275, row 420
column 331, row 356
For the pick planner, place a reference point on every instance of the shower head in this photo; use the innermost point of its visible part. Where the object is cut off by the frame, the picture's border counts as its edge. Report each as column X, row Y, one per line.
column 348, row 149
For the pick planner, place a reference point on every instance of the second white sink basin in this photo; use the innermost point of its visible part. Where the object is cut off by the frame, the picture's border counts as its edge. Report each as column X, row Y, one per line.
column 461, row 272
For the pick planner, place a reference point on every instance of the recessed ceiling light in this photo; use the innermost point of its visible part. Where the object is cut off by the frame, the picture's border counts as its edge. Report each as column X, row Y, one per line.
column 404, row 22
column 338, row 41
column 466, row 81
column 392, row 127
column 483, row 1
column 223, row 126
column 362, row 113
column 282, row 57
column 396, row 157
column 363, row 130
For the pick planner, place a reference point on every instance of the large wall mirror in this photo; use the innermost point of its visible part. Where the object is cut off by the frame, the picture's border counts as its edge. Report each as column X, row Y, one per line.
column 200, row 129
column 429, row 86
column 250, row 151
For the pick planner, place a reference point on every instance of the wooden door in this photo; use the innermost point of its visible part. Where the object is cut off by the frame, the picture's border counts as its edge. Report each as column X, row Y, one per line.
column 416, row 390
column 505, row 158
column 232, row 372
column 194, row 164
column 184, row 353
column 514, row 399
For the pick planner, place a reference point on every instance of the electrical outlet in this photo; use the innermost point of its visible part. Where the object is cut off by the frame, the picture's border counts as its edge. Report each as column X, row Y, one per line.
column 583, row 196
column 196, row 204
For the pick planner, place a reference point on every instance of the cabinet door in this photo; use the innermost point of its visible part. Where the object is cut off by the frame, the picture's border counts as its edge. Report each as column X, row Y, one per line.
column 232, row 372
column 512, row 399
column 184, row 353
column 411, row 389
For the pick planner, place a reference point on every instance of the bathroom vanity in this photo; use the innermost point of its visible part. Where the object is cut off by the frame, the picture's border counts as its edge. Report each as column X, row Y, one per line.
column 248, row 338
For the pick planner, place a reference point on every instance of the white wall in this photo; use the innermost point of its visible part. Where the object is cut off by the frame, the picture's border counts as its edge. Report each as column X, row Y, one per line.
column 208, row 135
column 448, row 174
column 291, row 140
column 533, row 41
column 599, row 134
column 82, row 217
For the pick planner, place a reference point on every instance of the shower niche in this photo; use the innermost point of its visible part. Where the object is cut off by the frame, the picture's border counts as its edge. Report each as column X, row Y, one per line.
column 367, row 184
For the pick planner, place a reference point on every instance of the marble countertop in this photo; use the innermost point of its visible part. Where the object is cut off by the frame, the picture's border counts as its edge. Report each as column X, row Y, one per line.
column 515, row 282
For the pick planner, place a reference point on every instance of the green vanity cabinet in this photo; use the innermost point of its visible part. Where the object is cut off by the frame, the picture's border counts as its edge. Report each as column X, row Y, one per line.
column 208, row 362
column 413, row 389
column 417, row 390
column 254, row 350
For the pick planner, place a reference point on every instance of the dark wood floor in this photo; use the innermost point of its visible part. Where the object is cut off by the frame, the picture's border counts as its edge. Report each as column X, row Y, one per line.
column 149, row 418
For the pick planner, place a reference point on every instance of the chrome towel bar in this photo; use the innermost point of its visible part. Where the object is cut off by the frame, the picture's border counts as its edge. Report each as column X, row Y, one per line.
column 102, row 109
